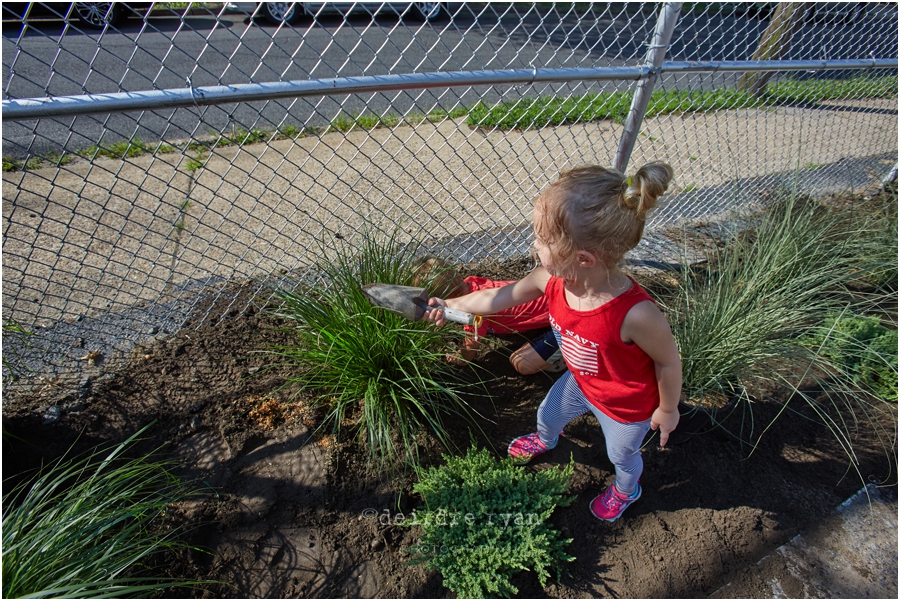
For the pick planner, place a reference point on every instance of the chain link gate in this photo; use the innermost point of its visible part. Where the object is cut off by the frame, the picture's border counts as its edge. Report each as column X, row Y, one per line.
column 176, row 152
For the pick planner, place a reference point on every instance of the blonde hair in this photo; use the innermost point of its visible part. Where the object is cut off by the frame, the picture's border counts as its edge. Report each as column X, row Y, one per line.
column 599, row 210
column 437, row 275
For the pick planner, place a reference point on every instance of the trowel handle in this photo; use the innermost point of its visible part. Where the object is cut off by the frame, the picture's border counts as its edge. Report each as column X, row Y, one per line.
column 462, row 317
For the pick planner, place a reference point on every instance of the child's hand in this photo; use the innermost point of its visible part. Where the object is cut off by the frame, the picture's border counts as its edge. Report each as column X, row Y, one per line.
column 435, row 317
column 666, row 422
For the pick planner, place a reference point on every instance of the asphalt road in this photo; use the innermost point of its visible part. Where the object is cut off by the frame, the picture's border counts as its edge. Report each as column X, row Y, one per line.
column 165, row 51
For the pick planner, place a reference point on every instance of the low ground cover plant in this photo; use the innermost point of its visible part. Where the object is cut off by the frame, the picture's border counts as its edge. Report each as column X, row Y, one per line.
column 485, row 520
column 864, row 349
column 381, row 375
column 85, row 528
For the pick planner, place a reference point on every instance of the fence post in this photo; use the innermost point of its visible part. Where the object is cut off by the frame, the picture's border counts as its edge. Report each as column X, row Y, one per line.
column 665, row 25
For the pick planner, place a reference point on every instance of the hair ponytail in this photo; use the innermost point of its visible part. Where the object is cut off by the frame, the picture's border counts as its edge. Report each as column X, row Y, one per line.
column 645, row 187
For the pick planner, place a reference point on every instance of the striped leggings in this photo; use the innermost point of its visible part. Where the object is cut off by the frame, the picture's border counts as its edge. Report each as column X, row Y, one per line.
column 565, row 402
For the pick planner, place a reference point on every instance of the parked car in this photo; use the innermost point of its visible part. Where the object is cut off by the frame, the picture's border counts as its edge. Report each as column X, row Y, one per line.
column 291, row 12
column 96, row 15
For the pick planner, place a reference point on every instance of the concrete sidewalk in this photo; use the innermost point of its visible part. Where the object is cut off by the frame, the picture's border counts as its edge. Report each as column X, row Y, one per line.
column 851, row 555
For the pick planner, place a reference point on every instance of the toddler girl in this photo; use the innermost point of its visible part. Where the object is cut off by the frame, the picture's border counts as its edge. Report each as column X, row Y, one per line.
column 623, row 363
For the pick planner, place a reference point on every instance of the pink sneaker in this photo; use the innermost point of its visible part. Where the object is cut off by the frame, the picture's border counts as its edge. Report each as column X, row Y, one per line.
column 525, row 448
column 610, row 505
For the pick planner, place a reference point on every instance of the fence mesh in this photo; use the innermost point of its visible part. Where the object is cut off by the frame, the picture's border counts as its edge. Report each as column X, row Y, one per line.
column 117, row 227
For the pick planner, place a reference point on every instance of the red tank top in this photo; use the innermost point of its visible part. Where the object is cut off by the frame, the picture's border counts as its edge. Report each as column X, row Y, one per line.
column 529, row 316
column 617, row 378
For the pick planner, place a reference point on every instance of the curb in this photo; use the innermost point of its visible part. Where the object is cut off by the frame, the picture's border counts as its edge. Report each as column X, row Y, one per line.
column 852, row 554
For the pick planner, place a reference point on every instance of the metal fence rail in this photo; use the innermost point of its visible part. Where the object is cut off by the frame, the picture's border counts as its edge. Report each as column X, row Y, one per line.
column 152, row 165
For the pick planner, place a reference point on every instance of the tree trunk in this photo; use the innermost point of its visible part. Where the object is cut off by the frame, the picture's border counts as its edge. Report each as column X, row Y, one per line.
column 773, row 44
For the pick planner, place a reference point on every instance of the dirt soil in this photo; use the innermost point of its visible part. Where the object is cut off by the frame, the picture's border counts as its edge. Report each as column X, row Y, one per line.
column 285, row 514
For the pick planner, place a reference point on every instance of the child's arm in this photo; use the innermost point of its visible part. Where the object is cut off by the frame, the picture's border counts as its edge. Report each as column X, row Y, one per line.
column 647, row 327
column 493, row 300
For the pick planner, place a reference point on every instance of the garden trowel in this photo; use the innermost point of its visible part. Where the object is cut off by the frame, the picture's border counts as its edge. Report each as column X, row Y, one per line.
column 412, row 303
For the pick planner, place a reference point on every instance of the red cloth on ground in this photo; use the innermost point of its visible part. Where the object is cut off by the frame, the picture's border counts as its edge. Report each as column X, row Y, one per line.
column 530, row 316
column 617, row 378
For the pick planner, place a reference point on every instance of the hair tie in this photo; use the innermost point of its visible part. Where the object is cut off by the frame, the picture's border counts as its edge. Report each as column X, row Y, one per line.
column 628, row 181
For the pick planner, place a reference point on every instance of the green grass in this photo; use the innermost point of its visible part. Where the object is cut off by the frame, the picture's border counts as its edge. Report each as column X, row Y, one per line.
column 14, row 367
column 440, row 114
column 33, row 162
column 239, row 137
column 87, row 527
column 367, row 121
column 817, row 90
column 553, row 111
column 382, row 376
column 289, row 131
column 697, row 101
column 484, row 521
column 126, row 149
column 550, row 111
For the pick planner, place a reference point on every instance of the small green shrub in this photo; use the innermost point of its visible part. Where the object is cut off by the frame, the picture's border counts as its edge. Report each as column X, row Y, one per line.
column 486, row 520
column 381, row 375
column 865, row 349
column 86, row 527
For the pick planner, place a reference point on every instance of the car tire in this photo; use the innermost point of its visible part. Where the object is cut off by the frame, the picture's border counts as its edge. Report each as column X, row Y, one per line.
column 278, row 13
column 428, row 11
column 98, row 15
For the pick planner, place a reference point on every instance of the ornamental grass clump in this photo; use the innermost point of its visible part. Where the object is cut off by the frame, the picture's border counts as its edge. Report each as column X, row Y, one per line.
column 486, row 520
column 776, row 277
column 86, row 528
column 382, row 376
column 742, row 320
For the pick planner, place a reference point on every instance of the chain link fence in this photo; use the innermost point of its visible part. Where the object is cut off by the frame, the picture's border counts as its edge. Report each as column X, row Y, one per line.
column 155, row 163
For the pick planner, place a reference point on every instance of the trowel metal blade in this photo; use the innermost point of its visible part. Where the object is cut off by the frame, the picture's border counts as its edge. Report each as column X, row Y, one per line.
column 407, row 301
